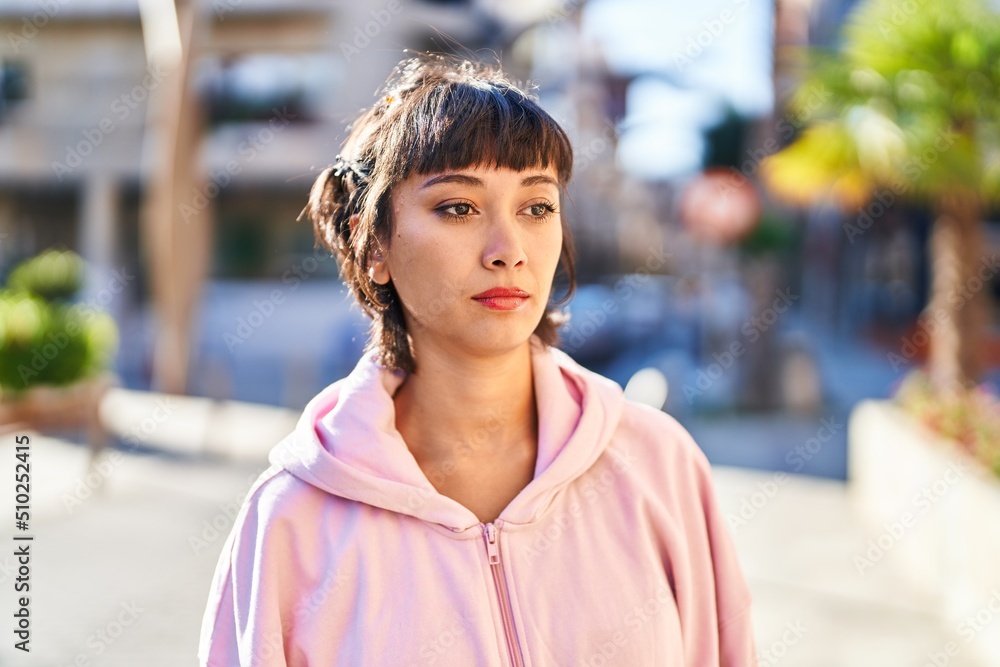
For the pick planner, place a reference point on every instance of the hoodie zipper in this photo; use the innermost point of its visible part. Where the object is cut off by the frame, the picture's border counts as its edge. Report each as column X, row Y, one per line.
column 492, row 533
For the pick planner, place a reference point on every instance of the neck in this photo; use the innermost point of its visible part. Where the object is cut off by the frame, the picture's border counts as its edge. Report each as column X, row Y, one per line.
column 463, row 409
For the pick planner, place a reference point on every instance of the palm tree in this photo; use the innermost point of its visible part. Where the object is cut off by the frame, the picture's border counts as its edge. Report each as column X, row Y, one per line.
column 909, row 107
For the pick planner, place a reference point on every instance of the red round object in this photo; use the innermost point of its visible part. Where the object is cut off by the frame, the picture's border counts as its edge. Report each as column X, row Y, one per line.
column 720, row 205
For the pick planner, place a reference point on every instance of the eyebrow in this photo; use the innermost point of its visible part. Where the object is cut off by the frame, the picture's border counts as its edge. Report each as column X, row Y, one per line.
column 465, row 179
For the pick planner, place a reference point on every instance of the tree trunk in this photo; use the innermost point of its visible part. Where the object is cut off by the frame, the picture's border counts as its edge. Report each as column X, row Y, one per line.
column 956, row 314
column 177, row 224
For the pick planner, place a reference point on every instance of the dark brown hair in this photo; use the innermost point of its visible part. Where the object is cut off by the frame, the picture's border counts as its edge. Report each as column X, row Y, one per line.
column 435, row 113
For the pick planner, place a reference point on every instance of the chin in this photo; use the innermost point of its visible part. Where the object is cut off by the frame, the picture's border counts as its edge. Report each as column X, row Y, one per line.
column 498, row 336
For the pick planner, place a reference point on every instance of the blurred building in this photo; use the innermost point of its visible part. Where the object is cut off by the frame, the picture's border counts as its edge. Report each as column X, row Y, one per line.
column 276, row 83
column 75, row 85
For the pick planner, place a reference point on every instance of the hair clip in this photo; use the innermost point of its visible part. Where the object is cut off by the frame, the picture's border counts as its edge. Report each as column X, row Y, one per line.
column 342, row 166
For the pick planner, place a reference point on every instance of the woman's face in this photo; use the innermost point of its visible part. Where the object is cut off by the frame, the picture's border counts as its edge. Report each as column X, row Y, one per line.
column 461, row 233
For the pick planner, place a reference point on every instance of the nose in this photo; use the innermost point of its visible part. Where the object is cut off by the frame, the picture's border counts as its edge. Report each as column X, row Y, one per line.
column 504, row 246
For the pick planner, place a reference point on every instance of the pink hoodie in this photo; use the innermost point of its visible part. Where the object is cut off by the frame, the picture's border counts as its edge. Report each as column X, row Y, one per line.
column 616, row 553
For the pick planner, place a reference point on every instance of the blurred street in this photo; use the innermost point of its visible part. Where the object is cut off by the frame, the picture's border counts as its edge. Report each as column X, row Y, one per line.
column 785, row 226
column 137, row 544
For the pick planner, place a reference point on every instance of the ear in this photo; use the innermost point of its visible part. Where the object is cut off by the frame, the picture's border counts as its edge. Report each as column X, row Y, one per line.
column 378, row 271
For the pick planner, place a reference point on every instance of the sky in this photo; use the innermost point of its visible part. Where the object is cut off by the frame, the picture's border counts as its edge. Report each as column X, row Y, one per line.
column 693, row 58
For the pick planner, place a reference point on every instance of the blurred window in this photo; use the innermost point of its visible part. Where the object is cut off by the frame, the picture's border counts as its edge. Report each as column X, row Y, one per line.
column 241, row 249
column 13, row 84
column 249, row 87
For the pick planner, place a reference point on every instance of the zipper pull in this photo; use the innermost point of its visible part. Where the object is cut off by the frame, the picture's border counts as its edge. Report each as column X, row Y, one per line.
column 491, row 544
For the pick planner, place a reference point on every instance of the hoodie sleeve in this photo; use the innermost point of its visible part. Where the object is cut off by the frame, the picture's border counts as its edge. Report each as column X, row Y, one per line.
column 699, row 554
column 733, row 600
column 242, row 626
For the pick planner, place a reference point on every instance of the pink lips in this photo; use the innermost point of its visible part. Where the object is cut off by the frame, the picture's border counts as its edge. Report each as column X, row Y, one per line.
column 502, row 298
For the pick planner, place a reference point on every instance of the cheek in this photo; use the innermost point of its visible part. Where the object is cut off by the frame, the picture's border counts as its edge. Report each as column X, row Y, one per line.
column 429, row 270
column 548, row 248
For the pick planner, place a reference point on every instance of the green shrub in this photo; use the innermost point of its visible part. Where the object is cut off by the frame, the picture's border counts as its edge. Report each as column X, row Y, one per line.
column 44, row 339
column 54, row 275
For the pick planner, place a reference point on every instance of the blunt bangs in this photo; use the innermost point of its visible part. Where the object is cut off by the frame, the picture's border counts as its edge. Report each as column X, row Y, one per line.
column 462, row 124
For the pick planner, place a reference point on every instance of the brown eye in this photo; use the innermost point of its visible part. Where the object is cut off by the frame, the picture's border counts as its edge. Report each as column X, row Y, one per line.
column 541, row 210
column 458, row 211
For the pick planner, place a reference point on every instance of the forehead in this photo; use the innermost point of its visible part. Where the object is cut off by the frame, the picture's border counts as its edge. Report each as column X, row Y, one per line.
column 484, row 177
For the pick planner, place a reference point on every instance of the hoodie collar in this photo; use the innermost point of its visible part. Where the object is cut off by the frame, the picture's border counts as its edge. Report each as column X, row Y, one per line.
column 346, row 442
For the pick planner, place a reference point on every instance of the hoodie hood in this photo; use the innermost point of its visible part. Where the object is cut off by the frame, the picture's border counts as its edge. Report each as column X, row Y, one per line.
column 346, row 442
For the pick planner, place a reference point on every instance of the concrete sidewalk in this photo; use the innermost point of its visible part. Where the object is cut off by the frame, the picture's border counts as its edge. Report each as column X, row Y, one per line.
column 121, row 566
column 798, row 538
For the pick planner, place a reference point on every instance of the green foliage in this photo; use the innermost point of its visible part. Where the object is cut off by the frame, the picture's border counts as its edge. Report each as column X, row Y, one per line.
column 53, row 275
column 45, row 340
column 911, row 100
column 773, row 234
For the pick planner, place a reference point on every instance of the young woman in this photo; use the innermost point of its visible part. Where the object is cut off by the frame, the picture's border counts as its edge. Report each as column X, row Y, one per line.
column 469, row 495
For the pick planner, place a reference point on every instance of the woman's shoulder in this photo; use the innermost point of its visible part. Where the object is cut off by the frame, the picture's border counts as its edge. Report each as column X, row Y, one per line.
column 658, row 438
column 278, row 495
column 643, row 432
